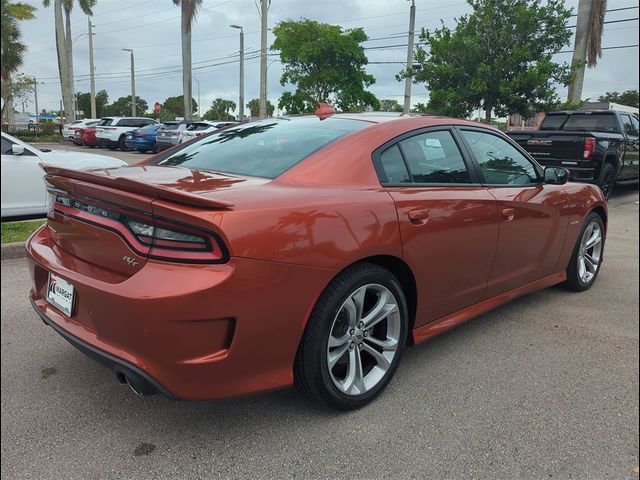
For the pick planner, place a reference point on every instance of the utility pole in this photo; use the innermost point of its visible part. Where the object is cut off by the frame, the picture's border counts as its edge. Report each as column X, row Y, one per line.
column 580, row 49
column 35, row 94
column 241, row 94
column 92, row 79
column 408, row 80
column 133, row 83
column 199, row 104
column 264, row 6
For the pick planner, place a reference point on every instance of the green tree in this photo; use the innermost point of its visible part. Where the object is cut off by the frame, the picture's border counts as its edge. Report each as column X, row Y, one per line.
column 390, row 106
column 498, row 58
column 325, row 63
column 220, row 109
column 11, row 48
column 188, row 13
column 122, row 107
column 84, row 103
column 175, row 106
column 254, row 107
column 628, row 97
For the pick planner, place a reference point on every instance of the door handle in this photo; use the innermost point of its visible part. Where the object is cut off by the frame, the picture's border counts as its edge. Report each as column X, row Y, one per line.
column 508, row 214
column 419, row 216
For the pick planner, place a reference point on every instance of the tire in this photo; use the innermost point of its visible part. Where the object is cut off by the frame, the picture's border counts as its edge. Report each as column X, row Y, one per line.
column 607, row 180
column 335, row 316
column 91, row 146
column 142, row 150
column 121, row 144
column 582, row 260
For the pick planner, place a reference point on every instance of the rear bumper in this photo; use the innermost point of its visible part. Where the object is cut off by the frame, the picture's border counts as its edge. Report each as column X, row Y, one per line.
column 190, row 331
column 138, row 379
column 136, row 144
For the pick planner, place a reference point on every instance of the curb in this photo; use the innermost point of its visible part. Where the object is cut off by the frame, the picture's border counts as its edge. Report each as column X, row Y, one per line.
column 11, row 251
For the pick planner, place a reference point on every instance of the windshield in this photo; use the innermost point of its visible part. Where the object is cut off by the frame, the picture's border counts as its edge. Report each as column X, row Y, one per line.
column 261, row 149
column 196, row 127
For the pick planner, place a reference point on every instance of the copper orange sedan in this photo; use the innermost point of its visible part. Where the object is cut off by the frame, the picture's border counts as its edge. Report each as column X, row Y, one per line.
column 303, row 250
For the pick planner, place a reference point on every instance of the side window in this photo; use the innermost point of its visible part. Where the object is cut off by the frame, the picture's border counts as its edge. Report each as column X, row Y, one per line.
column 393, row 166
column 123, row 123
column 434, row 157
column 629, row 127
column 501, row 162
column 6, row 147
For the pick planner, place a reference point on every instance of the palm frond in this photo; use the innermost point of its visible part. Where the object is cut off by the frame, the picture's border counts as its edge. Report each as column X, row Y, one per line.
column 596, row 27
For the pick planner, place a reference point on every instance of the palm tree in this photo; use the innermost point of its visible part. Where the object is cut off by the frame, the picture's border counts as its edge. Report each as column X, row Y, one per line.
column 86, row 6
column 588, row 42
column 188, row 13
column 12, row 49
column 64, row 48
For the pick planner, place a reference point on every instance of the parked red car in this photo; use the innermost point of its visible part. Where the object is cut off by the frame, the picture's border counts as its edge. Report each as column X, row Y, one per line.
column 303, row 250
column 86, row 136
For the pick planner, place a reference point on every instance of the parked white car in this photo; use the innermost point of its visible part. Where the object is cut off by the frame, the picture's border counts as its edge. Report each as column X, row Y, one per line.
column 110, row 132
column 200, row 128
column 23, row 189
column 69, row 129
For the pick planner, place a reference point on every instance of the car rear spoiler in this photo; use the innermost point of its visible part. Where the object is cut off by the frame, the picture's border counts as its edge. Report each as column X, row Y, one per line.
column 134, row 186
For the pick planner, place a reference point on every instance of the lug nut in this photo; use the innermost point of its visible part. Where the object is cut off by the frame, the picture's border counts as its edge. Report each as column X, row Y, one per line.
column 352, row 331
column 366, row 333
column 360, row 346
column 351, row 346
column 360, row 325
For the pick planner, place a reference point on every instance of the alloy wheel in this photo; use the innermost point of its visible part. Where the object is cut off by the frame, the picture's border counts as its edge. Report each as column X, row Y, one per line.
column 590, row 253
column 364, row 339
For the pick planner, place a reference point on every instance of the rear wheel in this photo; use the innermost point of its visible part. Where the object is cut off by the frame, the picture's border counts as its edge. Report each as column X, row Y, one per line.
column 587, row 255
column 607, row 180
column 354, row 339
column 122, row 145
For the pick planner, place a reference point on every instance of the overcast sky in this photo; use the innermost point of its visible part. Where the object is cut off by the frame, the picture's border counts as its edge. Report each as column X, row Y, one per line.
column 152, row 29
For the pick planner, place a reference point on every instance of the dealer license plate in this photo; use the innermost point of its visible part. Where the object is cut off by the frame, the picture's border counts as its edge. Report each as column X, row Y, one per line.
column 61, row 294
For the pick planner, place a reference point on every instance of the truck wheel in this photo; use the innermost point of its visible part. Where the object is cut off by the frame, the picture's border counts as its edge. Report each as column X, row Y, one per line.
column 607, row 180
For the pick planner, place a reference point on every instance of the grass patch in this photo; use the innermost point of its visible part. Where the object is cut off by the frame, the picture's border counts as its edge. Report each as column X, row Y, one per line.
column 19, row 231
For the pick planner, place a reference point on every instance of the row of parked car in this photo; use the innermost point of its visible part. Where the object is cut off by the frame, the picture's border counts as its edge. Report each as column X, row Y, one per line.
column 136, row 133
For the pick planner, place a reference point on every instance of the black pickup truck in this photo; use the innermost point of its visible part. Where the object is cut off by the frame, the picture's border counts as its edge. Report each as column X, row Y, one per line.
column 596, row 146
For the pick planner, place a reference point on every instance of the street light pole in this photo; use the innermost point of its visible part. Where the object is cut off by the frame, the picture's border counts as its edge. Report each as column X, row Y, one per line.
column 263, row 57
column 92, row 79
column 133, row 83
column 241, row 94
column 408, row 79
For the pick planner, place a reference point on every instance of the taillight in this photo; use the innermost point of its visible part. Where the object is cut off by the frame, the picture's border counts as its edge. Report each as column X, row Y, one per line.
column 589, row 147
column 149, row 236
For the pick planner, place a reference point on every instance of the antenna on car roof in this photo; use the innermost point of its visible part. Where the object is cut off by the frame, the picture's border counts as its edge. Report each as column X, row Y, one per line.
column 324, row 110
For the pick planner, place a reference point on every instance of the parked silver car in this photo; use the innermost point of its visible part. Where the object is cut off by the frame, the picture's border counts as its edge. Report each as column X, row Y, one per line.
column 171, row 134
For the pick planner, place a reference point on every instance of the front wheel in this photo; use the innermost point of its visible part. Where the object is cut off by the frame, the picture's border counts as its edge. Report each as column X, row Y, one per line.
column 354, row 339
column 586, row 260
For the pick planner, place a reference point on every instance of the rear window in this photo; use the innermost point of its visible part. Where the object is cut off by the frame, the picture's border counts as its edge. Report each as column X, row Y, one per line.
column 583, row 122
column 553, row 122
column 105, row 121
column 197, row 127
column 261, row 149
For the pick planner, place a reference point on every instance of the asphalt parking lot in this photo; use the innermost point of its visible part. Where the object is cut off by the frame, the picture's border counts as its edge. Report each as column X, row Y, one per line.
column 544, row 387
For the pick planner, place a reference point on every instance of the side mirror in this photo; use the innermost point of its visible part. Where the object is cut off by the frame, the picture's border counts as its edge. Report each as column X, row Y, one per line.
column 556, row 175
column 17, row 149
